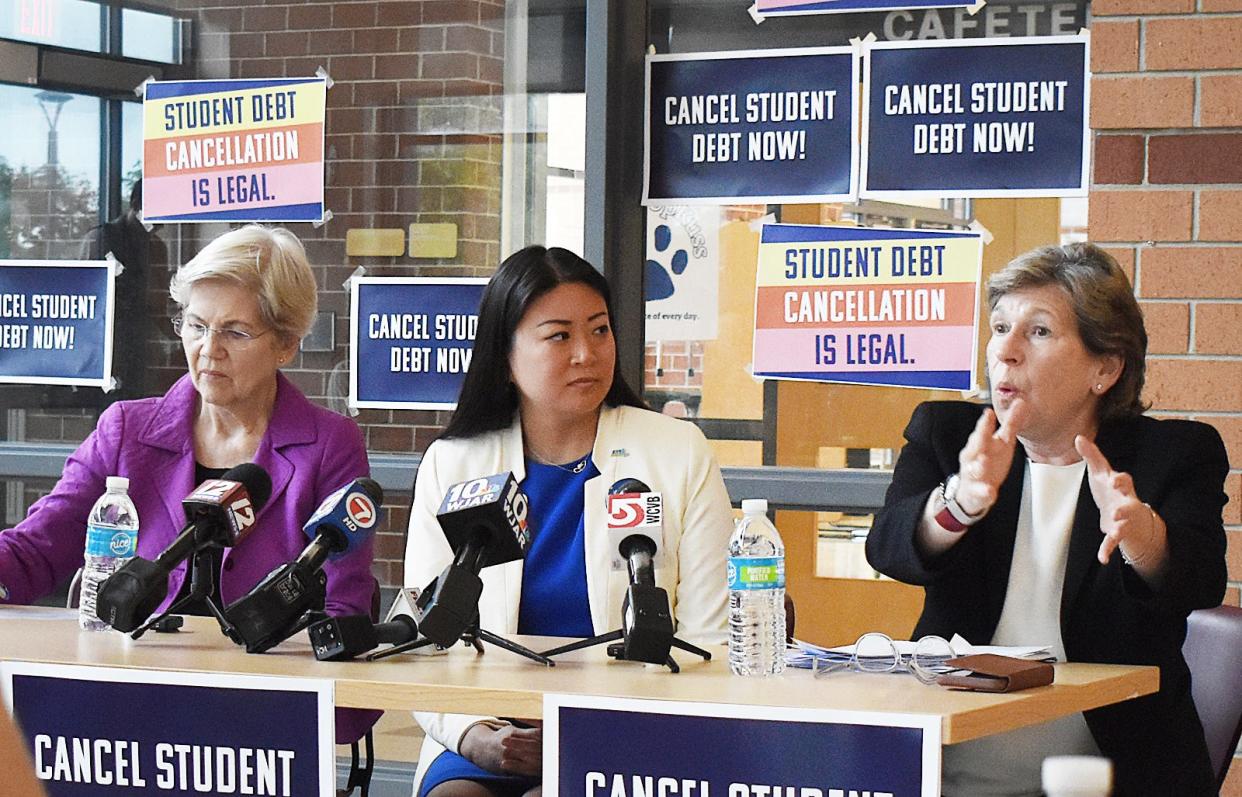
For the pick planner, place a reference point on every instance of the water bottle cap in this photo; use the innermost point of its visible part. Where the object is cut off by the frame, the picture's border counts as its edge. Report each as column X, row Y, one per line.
column 118, row 484
column 1077, row 774
column 754, row 506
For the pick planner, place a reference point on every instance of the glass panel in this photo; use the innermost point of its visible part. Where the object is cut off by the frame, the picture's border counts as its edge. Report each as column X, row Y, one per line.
column 150, row 37
column 49, row 172
column 131, row 147
column 49, row 201
column 1073, row 219
column 702, row 370
column 75, row 24
column 566, row 170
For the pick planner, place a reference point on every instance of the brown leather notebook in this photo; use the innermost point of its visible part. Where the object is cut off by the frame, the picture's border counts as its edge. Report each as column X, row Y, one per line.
column 989, row 672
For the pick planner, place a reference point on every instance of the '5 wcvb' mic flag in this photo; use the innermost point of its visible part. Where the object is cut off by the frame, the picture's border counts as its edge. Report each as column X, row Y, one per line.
column 868, row 306
column 233, row 150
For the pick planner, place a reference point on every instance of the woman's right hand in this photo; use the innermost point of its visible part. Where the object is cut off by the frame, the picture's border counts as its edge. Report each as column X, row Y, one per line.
column 506, row 750
column 984, row 461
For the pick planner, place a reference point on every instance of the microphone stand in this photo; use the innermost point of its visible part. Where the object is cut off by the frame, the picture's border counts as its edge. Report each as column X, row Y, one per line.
column 442, row 608
column 202, row 583
column 618, row 651
column 473, row 636
column 650, row 627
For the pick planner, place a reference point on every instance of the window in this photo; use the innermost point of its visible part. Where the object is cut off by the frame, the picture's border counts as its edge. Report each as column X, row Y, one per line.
column 150, row 37
column 701, row 370
column 49, row 172
column 76, row 24
column 146, row 35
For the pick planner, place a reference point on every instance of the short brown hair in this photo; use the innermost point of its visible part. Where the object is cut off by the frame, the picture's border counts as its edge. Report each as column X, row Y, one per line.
column 1109, row 318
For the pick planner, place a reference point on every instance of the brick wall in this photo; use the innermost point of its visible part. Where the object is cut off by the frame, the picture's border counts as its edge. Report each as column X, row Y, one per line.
column 676, row 364
column 1167, row 199
column 1166, row 107
column 413, row 134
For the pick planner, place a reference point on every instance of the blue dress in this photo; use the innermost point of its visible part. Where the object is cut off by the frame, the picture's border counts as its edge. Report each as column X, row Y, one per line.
column 554, row 594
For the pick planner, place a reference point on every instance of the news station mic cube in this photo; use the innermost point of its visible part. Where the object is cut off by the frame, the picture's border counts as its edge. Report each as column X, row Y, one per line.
column 493, row 506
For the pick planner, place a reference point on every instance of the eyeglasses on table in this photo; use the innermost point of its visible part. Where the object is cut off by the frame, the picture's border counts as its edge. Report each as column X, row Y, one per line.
column 878, row 653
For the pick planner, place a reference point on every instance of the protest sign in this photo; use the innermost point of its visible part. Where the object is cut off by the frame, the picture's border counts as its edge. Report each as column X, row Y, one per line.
column 755, row 126
column 976, row 118
column 622, row 747
column 867, row 306
column 412, row 340
column 233, row 150
column 95, row 731
column 56, row 320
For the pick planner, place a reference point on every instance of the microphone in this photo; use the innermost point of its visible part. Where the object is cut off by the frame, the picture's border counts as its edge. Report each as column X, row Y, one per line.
column 487, row 515
column 275, row 608
column 636, row 527
column 484, row 521
column 219, row 513
column 343, row 638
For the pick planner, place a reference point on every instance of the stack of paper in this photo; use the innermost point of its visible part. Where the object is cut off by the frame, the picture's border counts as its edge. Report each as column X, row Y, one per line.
column 804, row 654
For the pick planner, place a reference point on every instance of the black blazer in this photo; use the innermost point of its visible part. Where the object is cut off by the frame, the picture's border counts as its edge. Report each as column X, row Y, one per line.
column 1108, row 613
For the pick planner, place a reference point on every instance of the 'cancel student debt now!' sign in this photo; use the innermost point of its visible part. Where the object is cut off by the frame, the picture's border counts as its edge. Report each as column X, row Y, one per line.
column 56, row 321
column 234, row 150
column 867, row 306
column 751, row 126
column 977, row 118
column 412, row 340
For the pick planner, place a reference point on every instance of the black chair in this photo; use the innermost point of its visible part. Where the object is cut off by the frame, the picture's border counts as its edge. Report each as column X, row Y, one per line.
column 1213, row 649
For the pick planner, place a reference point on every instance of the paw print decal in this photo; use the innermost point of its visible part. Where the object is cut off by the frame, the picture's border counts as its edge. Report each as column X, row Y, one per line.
column 657, row 282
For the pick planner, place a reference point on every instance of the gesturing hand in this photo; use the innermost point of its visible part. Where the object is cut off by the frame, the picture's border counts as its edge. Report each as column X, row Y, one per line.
column 1124, row 520
column 984, row 461
column 508, row 750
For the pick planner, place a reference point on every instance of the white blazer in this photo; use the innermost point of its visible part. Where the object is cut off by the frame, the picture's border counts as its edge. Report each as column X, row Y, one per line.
column 670, row 456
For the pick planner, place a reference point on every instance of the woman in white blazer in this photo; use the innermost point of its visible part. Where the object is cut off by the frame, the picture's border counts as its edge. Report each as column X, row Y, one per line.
column 545, row 399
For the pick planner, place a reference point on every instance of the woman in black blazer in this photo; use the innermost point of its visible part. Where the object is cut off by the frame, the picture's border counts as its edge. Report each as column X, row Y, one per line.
column 1061, row 510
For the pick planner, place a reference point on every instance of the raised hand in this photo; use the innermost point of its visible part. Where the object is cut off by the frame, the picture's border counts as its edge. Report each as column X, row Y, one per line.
column 1125, row 521
column 984, row 461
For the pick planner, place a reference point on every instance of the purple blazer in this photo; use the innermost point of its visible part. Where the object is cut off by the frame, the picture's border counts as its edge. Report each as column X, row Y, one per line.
column 307, row 450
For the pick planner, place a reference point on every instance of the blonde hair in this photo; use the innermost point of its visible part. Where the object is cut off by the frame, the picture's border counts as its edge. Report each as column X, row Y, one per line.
column 267, row 260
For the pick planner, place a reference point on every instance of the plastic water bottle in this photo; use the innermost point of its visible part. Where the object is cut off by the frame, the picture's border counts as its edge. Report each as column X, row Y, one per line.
column 111, row 541
column 756, row 573
column 1077, row 776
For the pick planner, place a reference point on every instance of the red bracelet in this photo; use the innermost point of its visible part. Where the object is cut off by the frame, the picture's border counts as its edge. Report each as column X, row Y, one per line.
column 950, row 520
column 949, row 523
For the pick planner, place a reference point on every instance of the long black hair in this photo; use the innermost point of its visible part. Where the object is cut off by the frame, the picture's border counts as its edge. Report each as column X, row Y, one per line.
column 488, row 398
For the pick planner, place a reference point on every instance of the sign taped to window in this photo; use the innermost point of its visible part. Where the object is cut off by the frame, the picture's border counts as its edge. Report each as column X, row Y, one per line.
column 868, row 306
column 56, row 322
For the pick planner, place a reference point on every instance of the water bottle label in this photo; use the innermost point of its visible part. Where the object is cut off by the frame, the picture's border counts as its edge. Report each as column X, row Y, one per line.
column 756, row 572
column 110, row 542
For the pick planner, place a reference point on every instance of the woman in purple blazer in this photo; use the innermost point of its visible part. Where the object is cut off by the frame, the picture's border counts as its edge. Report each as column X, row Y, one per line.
column 246, row 300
